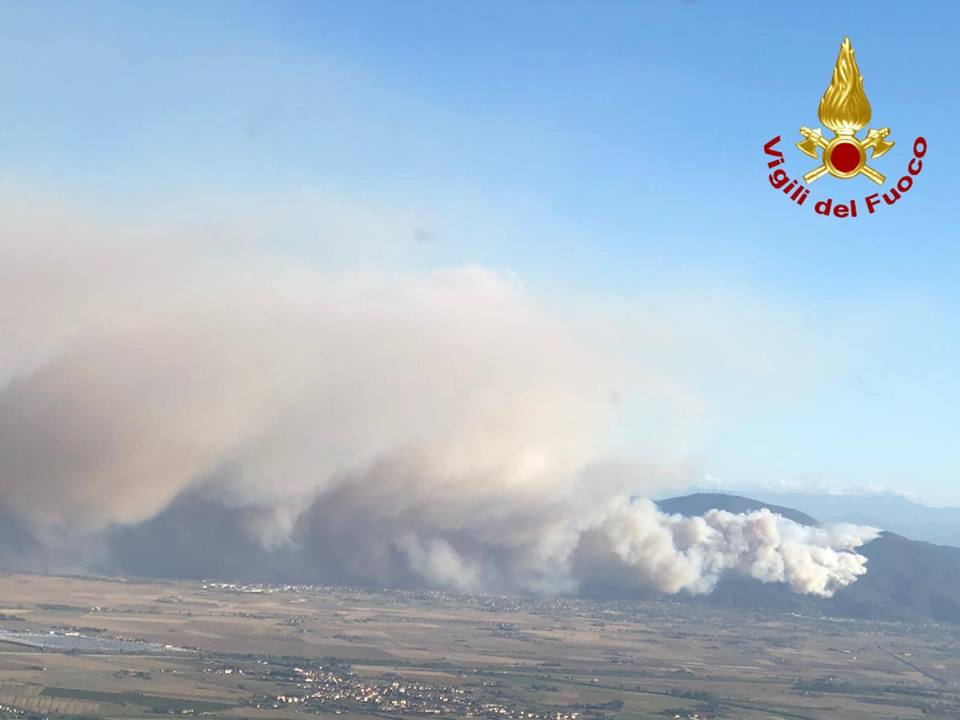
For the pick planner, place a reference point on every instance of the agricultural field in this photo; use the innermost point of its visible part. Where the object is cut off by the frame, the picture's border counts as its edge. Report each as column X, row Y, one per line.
column 118, row 648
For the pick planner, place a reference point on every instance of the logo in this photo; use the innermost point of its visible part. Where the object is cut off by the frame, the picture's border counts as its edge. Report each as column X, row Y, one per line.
column 845, row 111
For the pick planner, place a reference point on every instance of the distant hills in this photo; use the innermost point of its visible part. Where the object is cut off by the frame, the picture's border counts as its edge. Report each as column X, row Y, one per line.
column 700, row 503
column 884, row 510
column 906, row 580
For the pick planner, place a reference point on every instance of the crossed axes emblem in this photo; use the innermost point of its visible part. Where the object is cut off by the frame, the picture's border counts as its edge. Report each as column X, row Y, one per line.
column 848, row 143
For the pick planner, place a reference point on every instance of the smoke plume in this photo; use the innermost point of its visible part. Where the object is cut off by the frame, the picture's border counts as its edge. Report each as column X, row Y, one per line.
column 177, row 405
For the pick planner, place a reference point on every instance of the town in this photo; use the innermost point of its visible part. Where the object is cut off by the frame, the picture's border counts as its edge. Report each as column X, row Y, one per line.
column 337, row 688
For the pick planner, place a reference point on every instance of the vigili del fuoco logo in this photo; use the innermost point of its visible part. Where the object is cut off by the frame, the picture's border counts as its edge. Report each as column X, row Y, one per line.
column 845, row 111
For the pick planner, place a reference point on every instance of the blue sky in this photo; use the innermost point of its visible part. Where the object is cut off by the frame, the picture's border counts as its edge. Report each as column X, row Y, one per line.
column 602, row 152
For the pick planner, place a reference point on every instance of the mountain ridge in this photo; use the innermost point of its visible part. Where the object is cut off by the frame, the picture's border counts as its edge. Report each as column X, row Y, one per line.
column 906, row 580
column 889, row 511
column 700, row 503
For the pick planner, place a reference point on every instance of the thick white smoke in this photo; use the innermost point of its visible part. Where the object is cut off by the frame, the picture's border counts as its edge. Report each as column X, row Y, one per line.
column 439, row 428
column 673, row 553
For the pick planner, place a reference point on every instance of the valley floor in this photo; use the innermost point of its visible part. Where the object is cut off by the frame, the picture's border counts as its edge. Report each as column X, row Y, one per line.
column 124, row 649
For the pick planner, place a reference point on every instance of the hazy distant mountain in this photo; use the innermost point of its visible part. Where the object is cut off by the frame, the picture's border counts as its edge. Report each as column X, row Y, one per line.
column 699, row 503
column 906, row 579
column 886, row 511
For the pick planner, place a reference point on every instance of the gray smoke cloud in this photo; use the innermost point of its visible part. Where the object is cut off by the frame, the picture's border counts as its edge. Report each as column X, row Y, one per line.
column 437, row 428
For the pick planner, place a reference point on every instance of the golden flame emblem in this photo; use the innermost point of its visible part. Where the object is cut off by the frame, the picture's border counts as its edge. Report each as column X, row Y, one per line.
column 845, row 110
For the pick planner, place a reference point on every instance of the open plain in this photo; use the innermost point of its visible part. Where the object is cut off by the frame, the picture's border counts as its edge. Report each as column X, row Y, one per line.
column 121, row 648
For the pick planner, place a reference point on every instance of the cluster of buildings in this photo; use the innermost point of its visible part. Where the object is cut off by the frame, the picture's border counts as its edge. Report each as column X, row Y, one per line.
column 338, row 689
column 707, row 711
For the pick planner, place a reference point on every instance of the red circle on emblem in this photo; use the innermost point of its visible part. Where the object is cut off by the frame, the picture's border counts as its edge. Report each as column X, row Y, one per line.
column 845, row 157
